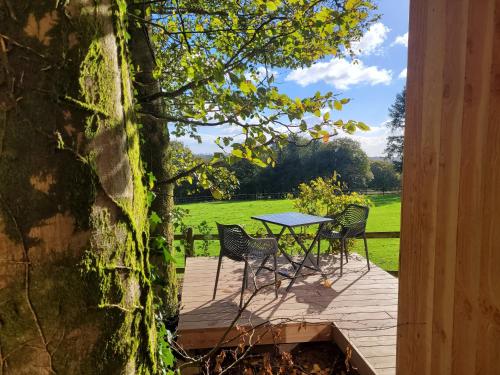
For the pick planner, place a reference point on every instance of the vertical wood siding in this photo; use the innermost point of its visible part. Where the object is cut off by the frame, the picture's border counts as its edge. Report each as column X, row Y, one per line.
column 449, row 296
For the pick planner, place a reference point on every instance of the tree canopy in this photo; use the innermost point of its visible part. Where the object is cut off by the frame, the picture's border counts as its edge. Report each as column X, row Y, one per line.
column 217, row 62
column 385, row 176
column 297, row 162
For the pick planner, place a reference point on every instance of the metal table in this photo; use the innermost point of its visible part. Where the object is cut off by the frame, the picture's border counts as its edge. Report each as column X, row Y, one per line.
column 290, row 220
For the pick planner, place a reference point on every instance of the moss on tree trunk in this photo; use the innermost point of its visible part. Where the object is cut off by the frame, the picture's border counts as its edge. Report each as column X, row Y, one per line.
column 156, row 154
column 75, row 292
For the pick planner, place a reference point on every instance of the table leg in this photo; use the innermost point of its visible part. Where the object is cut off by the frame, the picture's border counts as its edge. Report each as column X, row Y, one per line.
column 306, row 257
column 285, row 254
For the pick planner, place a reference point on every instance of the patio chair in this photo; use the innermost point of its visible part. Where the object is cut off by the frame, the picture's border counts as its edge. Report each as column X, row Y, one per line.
column 237, row 245
column 350, row 223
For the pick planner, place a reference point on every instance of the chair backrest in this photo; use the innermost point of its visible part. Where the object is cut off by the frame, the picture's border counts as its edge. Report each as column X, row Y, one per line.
column 233, row 241
column 353, row 220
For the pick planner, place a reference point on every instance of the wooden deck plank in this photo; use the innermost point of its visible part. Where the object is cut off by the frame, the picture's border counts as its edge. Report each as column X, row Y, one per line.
column 358, row 310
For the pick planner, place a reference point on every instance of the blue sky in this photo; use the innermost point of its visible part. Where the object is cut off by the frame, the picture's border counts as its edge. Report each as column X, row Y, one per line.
column 371, row 84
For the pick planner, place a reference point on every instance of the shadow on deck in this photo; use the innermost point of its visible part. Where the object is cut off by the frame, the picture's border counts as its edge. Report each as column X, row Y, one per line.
column 358, row 310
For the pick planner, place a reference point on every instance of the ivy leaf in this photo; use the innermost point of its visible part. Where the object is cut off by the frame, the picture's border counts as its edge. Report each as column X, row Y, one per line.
column 167, row 256
column 154, row 220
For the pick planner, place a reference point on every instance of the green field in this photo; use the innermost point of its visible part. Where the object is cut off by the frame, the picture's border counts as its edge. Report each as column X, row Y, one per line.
column 384, row 217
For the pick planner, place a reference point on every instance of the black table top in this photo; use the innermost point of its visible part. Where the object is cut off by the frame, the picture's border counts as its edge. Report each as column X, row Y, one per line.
column 292, row 219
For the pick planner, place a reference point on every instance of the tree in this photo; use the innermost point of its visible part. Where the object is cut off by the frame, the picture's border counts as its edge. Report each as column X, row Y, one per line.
column 75, row 290
column 347, row 158
column 303, row 160
column 225, row 56
column 87, row 186
column 385, row 176
column 394, row 148
column 217, row 177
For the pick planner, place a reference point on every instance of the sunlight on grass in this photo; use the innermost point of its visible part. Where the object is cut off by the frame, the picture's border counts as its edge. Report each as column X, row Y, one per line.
column 384, row 217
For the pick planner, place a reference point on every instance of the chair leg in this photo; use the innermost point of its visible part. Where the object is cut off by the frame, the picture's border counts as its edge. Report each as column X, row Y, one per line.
column 217, row 276
column 275, row 275
column 342, row 250
column 243, row 284
column 345, row 252
column 319, row 249
column 366, row 252
column 262, row 265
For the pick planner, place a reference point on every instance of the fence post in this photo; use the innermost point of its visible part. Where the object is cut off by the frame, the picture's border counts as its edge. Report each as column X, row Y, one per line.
column 189, row 249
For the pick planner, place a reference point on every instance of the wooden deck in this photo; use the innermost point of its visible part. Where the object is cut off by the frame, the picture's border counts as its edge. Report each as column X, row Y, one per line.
column 359, row 310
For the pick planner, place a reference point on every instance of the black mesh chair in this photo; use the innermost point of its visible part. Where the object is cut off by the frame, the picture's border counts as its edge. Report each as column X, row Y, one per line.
column 350, row 223
column 237, row 245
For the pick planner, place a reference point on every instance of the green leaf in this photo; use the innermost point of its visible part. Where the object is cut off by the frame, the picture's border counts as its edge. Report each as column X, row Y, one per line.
column 259, row 162
column 167, row 256
column 337, row 105
column 247, row 87
column 217, row 194
column 362, row 126
column 238, row 153
column 271, row 6
column 350, row 4
column 303, row 126
column 154, row 220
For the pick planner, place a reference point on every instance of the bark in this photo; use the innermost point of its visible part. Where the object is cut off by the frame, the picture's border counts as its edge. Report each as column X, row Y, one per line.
column 157, row 157
column 75, row 296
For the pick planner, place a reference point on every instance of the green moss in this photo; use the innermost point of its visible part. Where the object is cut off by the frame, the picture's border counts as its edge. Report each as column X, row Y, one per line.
column 118, row 259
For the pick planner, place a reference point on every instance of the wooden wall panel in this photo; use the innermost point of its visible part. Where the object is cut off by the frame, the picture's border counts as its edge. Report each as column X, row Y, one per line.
column 449, row 299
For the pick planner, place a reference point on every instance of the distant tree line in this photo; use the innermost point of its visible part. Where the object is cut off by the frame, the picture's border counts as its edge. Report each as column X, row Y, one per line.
column 303, row 160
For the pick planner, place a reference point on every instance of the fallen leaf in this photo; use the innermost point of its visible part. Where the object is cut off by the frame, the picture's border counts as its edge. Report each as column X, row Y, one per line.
column 316, row 369
column 218, row 361
column 327, row 283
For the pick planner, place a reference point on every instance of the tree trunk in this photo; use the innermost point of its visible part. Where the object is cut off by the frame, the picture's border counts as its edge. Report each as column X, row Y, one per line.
column 156, row 154
column 75, row 295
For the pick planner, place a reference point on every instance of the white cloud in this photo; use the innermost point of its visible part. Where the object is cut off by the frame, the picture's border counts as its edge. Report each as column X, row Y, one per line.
column 373, row 141
column 371, row 41
column 402, row 75
column 340, row 73
column 401, row 40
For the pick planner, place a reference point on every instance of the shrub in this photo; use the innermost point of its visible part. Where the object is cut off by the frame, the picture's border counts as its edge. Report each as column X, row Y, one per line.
column 325, row 197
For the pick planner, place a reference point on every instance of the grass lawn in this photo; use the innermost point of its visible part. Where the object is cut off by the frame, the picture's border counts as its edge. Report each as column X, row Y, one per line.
column 384, row 217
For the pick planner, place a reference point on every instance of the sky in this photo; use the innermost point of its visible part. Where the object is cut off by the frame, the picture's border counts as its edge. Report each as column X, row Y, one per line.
column 371, row 83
